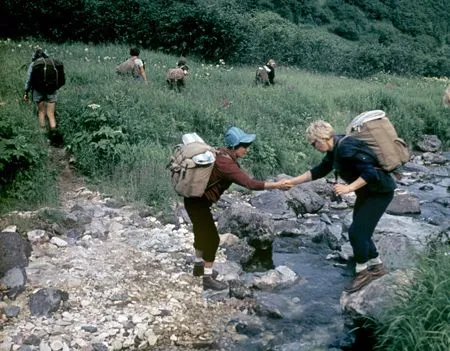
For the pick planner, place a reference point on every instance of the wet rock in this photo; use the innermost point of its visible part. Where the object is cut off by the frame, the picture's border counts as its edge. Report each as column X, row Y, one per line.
column 246, row 221
column 403, row 204
column 273, row 202
column 371, row 300
column 303, row 200
column 429, row 143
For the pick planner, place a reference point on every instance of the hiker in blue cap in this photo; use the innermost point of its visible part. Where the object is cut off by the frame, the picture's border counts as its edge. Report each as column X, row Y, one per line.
column 226, row 171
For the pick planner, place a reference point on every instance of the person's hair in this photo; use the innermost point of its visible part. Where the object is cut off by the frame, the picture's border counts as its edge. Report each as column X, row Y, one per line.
column 135, row 52
column 271, row 62
column 38, row 54
column 181, row 62
column 319, row 130
column 246, row 145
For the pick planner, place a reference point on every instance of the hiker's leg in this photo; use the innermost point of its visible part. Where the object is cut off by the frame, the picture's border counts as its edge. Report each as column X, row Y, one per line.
column 369, row 209
column 41, row 113
column 206, row 237
column 51, row 104
column 51, row 114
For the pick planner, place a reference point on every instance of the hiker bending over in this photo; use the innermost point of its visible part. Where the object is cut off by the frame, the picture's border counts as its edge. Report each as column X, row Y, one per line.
column 45, row 101
column 266, row 73
column 356, row 164
column 225, row 172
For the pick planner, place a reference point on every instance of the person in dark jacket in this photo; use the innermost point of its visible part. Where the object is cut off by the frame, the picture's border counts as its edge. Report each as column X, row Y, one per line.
column 226, row 171
column 357, row 165
column 45, row 101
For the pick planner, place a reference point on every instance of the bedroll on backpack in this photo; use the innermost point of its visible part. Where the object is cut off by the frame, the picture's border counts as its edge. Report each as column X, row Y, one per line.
column 375, row 128
column 47, row 75
column 191, row 165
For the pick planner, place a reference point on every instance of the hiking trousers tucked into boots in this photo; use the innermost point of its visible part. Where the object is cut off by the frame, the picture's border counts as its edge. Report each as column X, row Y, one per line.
column 368, row 209
column 206, row 237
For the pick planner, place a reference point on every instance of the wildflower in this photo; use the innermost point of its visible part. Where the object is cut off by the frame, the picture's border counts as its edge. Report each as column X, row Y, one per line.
column 94, row 106
column 221, row 61
column 86, row 49
column 19, row 45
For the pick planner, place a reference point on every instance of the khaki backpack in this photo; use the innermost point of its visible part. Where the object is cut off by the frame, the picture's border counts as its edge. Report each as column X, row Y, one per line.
column 191, row 165
column 126, row 66
column 375, row 128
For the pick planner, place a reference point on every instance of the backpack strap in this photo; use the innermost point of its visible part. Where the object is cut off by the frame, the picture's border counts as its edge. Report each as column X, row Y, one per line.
column 218, row 180
column 335, row 156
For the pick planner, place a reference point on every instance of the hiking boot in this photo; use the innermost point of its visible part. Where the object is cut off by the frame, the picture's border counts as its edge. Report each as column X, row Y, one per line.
column 377, row 270
column 199, row 270
column 210, row 283
column 360, row 280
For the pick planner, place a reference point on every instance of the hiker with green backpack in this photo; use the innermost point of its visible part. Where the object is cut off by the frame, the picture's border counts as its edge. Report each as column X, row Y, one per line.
column 355, row 162
column 225, row 171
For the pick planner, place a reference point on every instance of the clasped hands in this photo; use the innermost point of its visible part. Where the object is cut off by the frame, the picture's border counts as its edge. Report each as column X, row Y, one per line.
column 339, row 189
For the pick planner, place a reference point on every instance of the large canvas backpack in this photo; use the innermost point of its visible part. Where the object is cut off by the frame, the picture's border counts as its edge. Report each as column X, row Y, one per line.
column 47, row 75
column 375, row 128
column 126, row 66
column 191, row 165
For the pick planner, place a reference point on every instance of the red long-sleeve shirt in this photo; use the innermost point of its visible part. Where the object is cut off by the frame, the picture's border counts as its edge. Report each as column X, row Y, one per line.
column 227, row 171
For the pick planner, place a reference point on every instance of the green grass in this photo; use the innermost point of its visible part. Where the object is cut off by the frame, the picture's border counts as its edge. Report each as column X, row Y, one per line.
column 125, row 143
column 421, row 319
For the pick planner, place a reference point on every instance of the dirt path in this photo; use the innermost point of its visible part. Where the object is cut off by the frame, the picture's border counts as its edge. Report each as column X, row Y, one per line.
column 68, row 178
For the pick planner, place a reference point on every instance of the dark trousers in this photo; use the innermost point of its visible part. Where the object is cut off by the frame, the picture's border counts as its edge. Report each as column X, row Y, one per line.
column 206, row 237
column 368, row 209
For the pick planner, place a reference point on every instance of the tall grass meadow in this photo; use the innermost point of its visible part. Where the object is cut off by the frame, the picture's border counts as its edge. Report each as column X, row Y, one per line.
column 121, row 131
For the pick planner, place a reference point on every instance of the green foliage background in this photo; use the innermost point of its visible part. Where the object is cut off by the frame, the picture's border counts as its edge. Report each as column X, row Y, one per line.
column 351, row 37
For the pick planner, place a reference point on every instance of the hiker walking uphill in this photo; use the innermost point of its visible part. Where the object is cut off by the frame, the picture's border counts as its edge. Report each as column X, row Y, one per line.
column 225, row 172
column 358, row 166
column 44, row 77
column 134, row 66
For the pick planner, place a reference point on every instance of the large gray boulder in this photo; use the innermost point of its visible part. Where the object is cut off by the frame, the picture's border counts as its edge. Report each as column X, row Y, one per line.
column 246, row 221
column 14, row 252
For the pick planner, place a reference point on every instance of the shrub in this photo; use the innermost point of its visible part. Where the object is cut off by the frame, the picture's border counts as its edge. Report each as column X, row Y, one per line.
column 420, row 320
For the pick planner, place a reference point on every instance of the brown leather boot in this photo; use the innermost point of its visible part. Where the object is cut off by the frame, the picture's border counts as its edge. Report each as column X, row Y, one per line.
column 361, row 279
column 377, row 270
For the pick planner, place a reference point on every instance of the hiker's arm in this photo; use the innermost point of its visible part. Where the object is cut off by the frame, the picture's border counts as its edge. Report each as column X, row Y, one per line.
column 303, row 178
column 143, row 74
column 28, row 83
column 282, row 184
column 341, row 189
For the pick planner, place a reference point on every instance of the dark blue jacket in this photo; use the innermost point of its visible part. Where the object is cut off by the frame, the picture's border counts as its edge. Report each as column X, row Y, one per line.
column 352, row 158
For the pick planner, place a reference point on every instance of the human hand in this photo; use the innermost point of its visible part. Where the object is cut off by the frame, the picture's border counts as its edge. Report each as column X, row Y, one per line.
column 341, row 189
column 285, row 184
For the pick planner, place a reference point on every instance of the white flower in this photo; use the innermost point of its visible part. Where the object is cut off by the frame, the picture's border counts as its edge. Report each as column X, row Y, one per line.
column 86, row 49
column 19, row 45
column 94, row 106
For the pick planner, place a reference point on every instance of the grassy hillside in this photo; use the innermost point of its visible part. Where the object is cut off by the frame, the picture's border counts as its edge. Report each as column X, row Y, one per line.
column 124, row 144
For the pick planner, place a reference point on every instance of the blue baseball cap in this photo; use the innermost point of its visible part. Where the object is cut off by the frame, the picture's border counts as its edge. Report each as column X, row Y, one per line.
column 235, row 136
